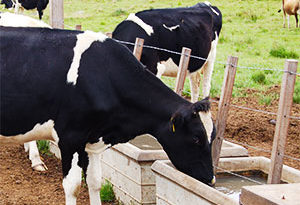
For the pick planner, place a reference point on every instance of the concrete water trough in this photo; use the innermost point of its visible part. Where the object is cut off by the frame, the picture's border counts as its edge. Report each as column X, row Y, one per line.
column 190, row 191
column 128, row 167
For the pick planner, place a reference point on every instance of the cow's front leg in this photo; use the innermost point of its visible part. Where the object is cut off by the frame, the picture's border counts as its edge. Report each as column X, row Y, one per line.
column 93, row 178
column 94, row 173
column 72, row 177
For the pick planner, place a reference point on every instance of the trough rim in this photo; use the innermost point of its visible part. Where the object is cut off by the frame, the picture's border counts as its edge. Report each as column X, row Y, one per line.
column 132, row 151
column 161, row 168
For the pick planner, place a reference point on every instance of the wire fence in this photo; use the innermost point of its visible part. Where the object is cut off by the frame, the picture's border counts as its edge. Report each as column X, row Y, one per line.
column 200, row 58
column 244, row 108
column 205, row 59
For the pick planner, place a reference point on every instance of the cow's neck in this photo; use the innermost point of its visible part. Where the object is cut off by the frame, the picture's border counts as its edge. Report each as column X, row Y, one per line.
column 151, row 106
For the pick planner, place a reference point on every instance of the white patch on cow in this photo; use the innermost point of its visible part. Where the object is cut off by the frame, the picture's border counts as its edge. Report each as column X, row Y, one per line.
column 209, row 4
column 45, row 131
column 39, row 132
column 17, row 20
column 84, row 41
column 208, row 123
column 171, row 28
column 147, row 28
column 160, row 70
column 97, row 148
column 171, row 68
column 214, row 11
column 72, row 181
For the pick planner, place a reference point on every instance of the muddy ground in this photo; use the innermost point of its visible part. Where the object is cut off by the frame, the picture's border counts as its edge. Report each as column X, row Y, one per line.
column 19, row 184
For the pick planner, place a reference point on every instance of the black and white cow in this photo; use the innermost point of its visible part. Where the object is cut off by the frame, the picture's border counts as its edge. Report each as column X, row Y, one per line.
column 87, row 92
column 18, row 5
column 196, row 27
column 17, row 20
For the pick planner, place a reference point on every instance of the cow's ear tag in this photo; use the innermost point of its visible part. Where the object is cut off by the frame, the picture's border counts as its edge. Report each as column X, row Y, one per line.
column 173, row 127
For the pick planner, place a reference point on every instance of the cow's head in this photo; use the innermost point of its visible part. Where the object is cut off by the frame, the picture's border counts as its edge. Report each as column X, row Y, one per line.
column 8, row 3
column 189, row 139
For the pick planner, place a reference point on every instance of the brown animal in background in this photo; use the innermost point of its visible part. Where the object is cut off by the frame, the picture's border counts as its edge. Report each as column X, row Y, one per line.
column 290, row 7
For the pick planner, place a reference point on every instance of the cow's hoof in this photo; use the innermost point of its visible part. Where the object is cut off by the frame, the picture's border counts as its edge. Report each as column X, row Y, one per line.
column 40, row 167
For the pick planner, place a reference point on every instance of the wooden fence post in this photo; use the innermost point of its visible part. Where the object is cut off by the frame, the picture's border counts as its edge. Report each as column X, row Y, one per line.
column 223, row 107
column 282, row 121
column 138, row 48
column 182, row 70
column 78, row 27
column 57, row 13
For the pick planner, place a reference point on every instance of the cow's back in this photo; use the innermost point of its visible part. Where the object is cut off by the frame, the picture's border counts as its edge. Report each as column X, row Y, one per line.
column 195, row 31
column 174, row 28
column 33, row 75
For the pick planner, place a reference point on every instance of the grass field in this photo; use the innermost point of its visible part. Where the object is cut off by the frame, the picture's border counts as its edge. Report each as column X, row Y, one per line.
column 252, row 30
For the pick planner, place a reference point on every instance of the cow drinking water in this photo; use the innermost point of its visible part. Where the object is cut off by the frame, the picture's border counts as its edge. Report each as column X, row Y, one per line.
column 91, row 93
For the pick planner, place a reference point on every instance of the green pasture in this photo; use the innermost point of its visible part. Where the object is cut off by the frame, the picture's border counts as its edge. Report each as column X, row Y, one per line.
column 252, row 30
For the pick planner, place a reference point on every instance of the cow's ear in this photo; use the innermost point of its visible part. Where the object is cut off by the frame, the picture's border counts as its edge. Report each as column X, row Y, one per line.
column 176, row 121
column 201, row 106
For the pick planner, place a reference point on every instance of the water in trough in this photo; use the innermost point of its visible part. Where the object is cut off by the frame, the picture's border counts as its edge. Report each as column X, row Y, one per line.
column 231, row 185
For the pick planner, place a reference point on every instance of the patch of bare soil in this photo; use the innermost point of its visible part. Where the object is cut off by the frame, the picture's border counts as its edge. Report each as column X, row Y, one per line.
column 257, row 130
column 19, row 184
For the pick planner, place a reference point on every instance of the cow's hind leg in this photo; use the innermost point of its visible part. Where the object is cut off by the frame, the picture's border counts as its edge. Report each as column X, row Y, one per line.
column 72, row 177
column 284, row 17
column 209, row 66
column 34, row 156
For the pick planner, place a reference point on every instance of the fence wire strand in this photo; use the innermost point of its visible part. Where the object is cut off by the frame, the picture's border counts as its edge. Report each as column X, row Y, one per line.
column 250, row 146
column 205, row 59
column 260, row 149
column 200, row 58
column 244, row 108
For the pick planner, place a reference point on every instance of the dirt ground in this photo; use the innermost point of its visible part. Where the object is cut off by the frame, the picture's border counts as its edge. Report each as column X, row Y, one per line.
column 19, row 184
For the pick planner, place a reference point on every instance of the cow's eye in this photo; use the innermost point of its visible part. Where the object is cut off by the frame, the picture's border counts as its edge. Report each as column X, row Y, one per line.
column 195, row 114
